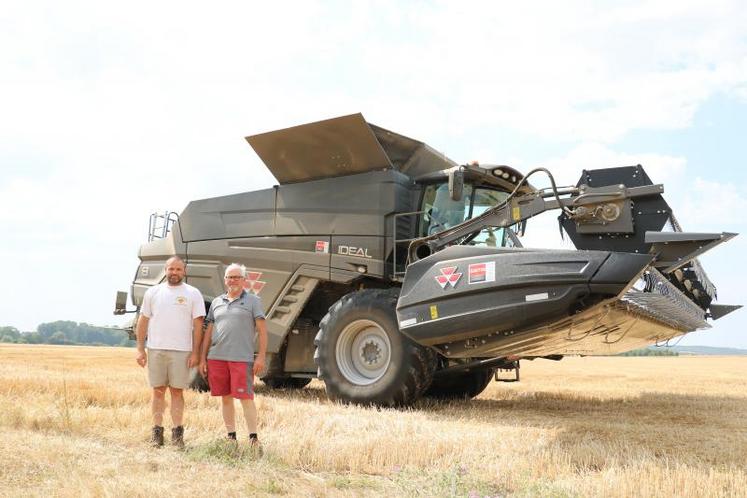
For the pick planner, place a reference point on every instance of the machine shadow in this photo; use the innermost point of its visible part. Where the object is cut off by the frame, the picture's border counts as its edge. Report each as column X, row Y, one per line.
column 308, row 393
column 690, row 429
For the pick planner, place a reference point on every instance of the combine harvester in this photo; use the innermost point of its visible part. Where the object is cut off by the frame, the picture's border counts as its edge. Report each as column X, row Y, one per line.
column 390, row 272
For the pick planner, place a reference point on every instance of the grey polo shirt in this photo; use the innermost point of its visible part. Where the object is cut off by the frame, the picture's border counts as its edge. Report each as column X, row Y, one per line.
column 233, row 327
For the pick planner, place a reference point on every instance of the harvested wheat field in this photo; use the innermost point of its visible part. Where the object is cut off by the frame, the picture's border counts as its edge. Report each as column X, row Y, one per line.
column 75, row 422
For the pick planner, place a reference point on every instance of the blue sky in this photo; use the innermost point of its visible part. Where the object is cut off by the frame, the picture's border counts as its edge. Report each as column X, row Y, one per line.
column 113, row 111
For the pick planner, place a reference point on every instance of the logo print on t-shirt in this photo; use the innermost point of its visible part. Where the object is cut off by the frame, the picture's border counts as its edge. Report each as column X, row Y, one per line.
column 181, row 300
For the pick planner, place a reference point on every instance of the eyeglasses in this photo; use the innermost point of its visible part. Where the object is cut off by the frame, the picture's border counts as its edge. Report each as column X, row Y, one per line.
column 234, row 277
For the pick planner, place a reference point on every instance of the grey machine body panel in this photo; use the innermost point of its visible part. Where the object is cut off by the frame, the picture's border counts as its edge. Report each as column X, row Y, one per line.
column 332, row 229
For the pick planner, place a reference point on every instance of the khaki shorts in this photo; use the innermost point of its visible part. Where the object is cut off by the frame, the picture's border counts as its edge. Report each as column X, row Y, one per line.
column 168, row 368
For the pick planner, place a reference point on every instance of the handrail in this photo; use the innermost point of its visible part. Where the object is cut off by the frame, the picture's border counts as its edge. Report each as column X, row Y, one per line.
column 160, row 224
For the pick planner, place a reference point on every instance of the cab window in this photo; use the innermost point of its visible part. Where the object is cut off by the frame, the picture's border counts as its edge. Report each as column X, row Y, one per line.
column 485, row 199
column 441, row 212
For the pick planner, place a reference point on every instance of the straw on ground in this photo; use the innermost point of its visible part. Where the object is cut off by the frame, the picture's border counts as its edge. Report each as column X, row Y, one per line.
column 75, row 421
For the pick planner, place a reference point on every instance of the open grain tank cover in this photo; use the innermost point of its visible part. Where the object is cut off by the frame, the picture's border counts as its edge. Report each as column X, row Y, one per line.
column 342, row 146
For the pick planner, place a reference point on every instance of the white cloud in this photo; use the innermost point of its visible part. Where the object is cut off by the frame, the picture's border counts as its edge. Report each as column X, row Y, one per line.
column 713, row 204
column 590, row 155
column 569, row 72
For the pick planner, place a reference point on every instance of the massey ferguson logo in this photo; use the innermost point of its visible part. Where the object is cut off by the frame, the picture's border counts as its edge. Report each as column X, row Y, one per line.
column 253, row 283
column 448, row 276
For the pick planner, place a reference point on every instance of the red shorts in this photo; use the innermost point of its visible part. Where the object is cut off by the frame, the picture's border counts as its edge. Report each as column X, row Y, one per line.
column 231, row 377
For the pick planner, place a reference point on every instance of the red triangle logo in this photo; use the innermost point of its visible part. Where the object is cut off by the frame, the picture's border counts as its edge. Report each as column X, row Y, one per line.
column 253, row 282
column 449, row 275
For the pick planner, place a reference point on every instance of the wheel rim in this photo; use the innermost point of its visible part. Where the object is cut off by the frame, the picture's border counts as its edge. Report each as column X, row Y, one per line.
column 363, row 352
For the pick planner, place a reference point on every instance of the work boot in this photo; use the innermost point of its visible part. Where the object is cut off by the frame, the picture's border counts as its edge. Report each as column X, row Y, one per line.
column 156, row 439
column 177, row 437
column 255, row 446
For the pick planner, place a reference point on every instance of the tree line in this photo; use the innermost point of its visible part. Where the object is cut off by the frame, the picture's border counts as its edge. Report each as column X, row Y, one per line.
column 67, row 333
column 661, row 351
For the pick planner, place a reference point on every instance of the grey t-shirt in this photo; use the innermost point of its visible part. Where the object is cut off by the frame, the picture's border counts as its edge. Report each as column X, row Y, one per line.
column 233, row 327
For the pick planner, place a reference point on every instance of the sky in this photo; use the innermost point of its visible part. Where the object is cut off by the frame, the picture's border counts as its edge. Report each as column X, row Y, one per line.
column 111, row 111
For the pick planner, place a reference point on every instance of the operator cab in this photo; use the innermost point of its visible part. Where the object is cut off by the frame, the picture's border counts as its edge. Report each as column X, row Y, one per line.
column 440, row 211
column 466, row 192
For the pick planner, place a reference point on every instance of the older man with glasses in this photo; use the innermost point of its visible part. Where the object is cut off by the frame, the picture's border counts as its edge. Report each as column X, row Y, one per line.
column 227, row 358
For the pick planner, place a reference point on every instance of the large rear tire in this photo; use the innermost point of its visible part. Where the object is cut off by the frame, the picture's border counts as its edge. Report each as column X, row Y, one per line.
column 363, row 358
column 460, row 385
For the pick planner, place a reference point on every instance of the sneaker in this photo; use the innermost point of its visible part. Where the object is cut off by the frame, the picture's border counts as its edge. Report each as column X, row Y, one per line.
column 231, row 436
column 156, row 439
column 177, row 437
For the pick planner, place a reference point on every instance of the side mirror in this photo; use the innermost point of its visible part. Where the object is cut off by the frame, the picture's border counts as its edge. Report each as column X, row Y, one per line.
column 456, row 184
column 120, row 305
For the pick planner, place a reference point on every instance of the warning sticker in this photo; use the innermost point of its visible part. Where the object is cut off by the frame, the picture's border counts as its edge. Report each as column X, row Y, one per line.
column 482, row 272
column 434, row 312
column 536, row 297
column 516, row 213
column 322, row 246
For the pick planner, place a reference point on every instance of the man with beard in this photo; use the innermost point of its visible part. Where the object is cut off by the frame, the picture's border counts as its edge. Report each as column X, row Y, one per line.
column 172, row 315
column 228, row 350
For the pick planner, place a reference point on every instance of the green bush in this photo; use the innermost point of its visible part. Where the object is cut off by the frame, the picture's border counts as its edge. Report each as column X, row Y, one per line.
column 650, row 352
column 65, row 332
